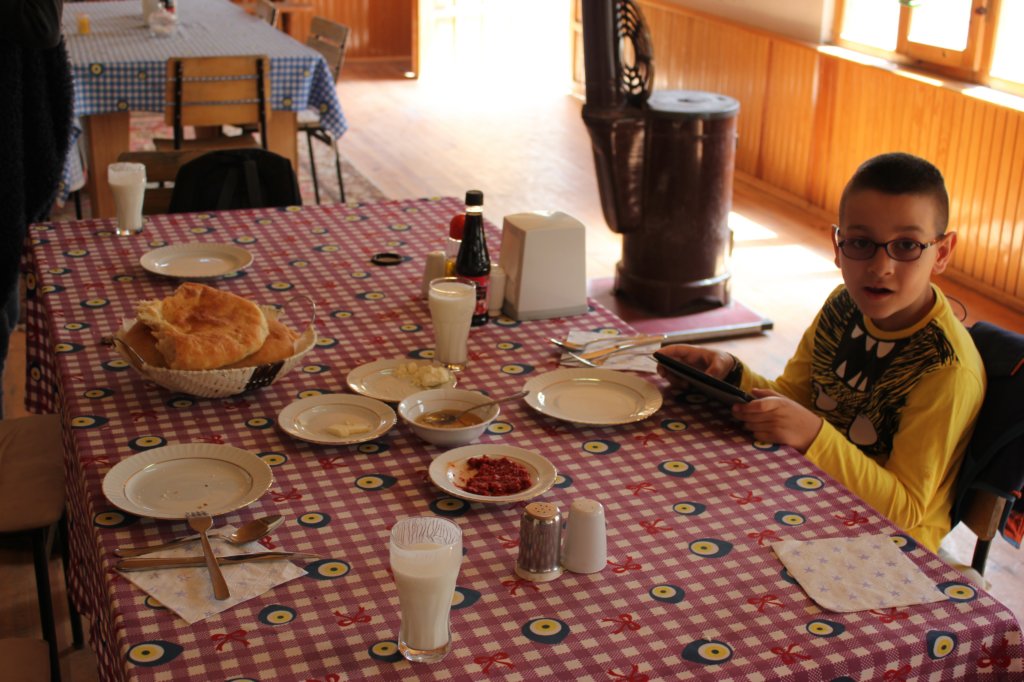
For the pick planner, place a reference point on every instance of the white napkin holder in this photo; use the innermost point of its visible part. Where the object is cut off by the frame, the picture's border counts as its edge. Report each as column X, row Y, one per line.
column 543, row 254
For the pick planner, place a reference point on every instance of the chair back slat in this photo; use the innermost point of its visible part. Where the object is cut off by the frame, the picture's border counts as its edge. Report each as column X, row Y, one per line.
column 331, row 31
column 329, row 38
column 215, row 91
column 267, row 11
column 331, row 53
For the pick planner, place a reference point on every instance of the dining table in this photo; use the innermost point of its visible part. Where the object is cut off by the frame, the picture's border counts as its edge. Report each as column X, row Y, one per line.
column 692, row 588
column 119, row 66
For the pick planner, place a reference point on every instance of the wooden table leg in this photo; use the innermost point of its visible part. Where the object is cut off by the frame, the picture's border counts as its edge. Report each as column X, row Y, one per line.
column 107, row 135
column 282, row 136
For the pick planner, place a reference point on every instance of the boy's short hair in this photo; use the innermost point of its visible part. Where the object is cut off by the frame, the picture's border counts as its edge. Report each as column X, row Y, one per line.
column 900, row 173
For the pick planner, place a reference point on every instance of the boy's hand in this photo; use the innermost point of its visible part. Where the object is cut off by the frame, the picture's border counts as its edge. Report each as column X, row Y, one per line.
column 711, row 362
column 773, row 418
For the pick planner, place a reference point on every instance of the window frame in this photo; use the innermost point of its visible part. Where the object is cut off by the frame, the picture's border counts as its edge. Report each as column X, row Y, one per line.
column 972, row 65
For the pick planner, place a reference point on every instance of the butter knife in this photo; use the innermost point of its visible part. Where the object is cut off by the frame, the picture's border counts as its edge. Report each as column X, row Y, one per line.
column 149, row 563
column 625, row 344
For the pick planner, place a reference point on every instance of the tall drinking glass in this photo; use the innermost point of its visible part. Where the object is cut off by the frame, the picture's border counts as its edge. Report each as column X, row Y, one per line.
column 452, row 301
column 128, row 185
column 426, row 552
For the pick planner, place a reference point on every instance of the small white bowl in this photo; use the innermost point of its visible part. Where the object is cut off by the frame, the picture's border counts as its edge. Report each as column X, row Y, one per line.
column 415, row 406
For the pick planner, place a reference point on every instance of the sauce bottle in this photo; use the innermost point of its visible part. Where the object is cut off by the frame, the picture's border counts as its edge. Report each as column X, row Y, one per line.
column 473, row 261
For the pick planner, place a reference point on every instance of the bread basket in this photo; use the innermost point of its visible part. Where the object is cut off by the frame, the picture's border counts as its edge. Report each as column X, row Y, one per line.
column 219, row 383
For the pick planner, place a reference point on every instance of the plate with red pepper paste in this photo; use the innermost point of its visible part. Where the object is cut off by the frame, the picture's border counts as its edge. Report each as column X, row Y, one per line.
column 496, row 474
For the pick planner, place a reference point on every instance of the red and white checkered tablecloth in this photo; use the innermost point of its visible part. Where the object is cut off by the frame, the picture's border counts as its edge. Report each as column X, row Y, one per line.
column 692, row 589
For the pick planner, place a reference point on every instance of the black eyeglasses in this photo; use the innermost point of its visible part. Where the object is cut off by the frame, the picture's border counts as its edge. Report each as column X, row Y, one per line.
column 902, row 249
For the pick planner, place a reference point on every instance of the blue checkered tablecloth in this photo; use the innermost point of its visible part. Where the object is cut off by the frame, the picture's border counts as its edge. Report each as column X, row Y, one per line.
column 120, row 66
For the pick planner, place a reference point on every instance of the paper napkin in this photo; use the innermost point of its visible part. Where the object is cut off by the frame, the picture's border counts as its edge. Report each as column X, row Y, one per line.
column 856, row 574
column 637, row 359
column 188, row 592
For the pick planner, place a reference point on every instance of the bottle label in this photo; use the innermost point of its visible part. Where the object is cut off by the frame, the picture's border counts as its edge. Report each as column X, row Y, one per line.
column 480, row 312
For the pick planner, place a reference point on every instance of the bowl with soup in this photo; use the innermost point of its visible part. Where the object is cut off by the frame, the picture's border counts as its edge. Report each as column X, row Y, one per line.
column 434, row 415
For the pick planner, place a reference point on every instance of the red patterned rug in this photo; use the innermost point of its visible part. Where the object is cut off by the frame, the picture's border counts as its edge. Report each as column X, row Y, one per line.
column 146, row 126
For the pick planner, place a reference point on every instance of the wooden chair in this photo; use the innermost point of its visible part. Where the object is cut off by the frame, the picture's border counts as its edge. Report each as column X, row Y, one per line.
column 210, row 92
column 329, row 39
column 267, row 11
column 161, row 170
column 984, row 515
column 32, row 503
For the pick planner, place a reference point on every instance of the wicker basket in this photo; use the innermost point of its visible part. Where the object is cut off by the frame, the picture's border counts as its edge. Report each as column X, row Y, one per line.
column 217, row 383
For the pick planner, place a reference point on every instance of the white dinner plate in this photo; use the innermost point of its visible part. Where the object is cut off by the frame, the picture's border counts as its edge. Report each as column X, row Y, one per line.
column 450, row 468
column 308, row 419
column 196, row 261
column 599, row 397
column 377, row 380
column 167, row 482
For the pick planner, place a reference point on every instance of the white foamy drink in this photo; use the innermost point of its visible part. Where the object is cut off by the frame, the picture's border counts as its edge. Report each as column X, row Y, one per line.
column 425, row 575
column 451, row 303
column 426, row 554
column 128, row 185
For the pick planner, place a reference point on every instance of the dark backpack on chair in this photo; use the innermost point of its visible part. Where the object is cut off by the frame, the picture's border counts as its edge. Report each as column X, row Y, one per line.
column 235, row 178
column 994, row 461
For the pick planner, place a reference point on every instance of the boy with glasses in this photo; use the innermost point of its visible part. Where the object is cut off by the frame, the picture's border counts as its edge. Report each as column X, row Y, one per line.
column 886, row 384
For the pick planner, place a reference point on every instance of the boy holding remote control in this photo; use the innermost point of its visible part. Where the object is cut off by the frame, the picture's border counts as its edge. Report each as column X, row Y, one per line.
column 886, row 384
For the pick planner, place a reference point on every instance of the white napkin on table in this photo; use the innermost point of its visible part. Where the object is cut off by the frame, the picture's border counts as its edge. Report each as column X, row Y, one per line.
column 638, row 359
column 188, row 592
column 856, row 574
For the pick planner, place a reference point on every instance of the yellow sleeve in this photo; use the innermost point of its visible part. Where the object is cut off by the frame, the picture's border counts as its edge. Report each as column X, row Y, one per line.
column 914, row 487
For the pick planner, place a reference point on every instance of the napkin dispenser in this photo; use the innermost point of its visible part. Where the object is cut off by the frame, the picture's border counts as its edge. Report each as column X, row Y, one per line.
column 543, row 254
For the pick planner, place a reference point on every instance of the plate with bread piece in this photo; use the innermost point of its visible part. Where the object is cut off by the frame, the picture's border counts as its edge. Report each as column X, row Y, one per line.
column 196, row 261
column 211, row 343
column 336, row 419
column 396, row 379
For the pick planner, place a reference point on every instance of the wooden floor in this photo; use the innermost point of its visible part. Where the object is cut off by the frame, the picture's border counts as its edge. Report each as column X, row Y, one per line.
column 530, row 151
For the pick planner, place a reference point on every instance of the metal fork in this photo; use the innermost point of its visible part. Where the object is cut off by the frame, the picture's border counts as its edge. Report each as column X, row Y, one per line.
column 201, row 522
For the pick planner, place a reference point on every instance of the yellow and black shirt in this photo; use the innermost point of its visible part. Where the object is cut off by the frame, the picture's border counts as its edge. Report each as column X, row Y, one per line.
column 898, row 407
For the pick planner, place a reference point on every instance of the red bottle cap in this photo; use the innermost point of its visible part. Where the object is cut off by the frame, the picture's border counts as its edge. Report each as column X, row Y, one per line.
column 456, row 225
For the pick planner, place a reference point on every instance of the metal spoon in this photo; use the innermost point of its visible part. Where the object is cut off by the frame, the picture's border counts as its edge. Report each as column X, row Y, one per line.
column 440, row 419
column 253, row 530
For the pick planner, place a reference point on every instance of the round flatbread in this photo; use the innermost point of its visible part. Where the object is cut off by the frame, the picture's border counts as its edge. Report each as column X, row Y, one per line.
column 199, row 327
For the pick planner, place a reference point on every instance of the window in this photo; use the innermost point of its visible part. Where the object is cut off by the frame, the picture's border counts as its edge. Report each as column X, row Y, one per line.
column 973, row 40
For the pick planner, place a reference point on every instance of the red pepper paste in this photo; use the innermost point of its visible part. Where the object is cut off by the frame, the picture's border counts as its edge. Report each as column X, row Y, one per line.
column 501, row 476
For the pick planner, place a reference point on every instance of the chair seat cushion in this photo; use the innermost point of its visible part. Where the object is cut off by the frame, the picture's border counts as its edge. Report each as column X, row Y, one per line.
column 25, row 660
column 31, row 473
column 308, row 117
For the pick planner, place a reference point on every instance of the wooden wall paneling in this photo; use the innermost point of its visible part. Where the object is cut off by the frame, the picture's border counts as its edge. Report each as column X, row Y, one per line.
column 1005, row 200
column 973, row 184
column 789, row 118
column 994, row 190
column 956, row 179
column 670, row 43
column 1015, row 278
column 1012, row 229
column 826, row 93
column 380, row 29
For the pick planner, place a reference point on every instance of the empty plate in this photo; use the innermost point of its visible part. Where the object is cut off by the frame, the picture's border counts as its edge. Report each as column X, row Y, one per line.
column 196, row 261
column 166, row 482
column 600, row 397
